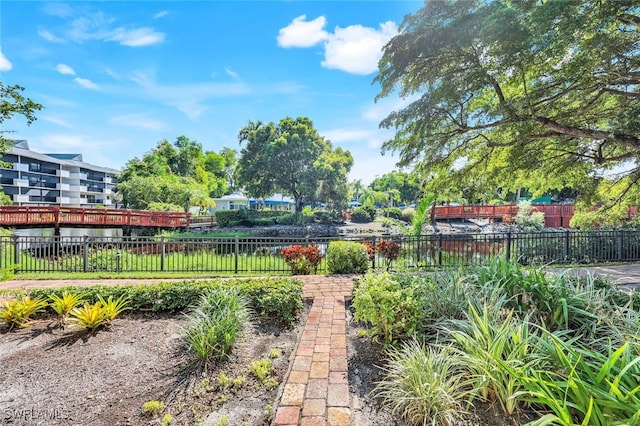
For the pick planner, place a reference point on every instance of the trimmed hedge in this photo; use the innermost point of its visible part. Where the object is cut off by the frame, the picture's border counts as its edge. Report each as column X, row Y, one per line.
column 347, row 257
column 278, row 299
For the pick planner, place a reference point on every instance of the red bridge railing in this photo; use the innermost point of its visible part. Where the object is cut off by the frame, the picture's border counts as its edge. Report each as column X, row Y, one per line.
column 23, row 216
column 555, row 215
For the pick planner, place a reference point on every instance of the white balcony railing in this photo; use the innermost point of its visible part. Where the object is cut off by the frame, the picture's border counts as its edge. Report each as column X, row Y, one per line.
column 63, row 173
column 21, row 167
column 63, row 200
column 63, row 186
column 18, row 198
column 21, row 182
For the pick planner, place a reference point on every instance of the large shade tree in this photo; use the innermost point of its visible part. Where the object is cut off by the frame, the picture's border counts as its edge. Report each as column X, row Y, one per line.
column 536, row 94
column 290, row 156
column 179, row 174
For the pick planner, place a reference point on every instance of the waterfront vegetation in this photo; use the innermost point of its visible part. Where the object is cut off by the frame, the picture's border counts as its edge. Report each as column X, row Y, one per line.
column 551, row 349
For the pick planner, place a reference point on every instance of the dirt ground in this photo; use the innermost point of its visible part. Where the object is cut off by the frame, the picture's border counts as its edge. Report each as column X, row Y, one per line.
column 52, row 376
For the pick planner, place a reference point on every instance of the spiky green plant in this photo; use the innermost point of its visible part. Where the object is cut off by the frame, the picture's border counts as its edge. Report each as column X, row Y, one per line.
column 215, row 324
column 63, row 304
column 89, row 316
column 112, row 307
column 423, row 385
column 18, row 312
column 490, row 345
column 585, row 387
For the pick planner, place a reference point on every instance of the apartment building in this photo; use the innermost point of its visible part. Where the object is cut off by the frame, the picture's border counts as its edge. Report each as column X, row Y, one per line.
column 34, row 179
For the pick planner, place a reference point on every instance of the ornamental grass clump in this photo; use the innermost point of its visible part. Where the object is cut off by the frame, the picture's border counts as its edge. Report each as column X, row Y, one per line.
column 423, row 386
column 215, row 324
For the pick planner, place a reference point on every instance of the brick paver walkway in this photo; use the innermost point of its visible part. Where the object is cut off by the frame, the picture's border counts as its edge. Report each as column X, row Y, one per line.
column 316, row 390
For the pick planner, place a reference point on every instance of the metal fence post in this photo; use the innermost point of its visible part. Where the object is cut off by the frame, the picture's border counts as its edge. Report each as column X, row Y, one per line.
column 16, row 250
column 373, row 245
column 567, row 246
column 439, row 249
column 236, row 252
column 85, row 266
column 163, row 251
column 507, row 253
column 620, row 244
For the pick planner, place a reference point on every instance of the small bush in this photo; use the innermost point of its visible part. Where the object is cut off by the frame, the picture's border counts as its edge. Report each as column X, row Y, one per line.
column 302, row 260
column 407, row 214
column 389, row 251
column 392, row 212
column 224, row 218
column 393, row 311
column 528, row 217
column 347, row 257
column 363, row 214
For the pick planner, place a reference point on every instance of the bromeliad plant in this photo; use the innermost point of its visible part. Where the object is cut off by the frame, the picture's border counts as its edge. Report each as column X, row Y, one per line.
column 18, row 313
column 63, row 304
column 302, row 260
column 102, row 313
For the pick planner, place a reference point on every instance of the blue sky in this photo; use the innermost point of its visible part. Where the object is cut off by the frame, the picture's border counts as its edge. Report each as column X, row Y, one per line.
column 116, row 77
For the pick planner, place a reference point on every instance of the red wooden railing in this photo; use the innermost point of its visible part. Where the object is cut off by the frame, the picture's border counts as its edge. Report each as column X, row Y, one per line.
column 24, row 216
column 555, row 215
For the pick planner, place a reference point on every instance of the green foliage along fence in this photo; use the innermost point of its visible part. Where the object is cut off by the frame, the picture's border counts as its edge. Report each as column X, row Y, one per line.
column 262, row 255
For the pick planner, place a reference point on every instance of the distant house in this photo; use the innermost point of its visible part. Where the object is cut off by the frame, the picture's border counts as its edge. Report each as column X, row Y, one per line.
column 234, row 201
column 275, row 202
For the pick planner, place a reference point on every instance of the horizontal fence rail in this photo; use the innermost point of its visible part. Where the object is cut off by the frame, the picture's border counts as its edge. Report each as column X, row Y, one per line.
column 261, row 255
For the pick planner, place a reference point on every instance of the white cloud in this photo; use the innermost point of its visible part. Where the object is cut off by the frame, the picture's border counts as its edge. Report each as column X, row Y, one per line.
column 136, row 37
column 45, row 34
column 142, row 121
column 381, row 109
column 86, row 83
column 346, row 135
column 232, row 74
column 65, row 69
column 57, row 121
column 58, row 9
column 302, row 33
column 161, row 14
column 357, row 49
column 188, row 98
column 5, row 64
column 82, row 27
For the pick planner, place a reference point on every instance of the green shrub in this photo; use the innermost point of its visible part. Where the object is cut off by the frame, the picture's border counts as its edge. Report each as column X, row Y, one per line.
column 393, row 311
column 363, row 214
column 278, row 299
column 407, row 214
column 224, row 218
column 325, row 216
column 392, row 212
column 347, row 257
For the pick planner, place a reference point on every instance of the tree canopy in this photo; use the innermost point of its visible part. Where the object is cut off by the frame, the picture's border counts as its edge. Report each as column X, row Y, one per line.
column 292, row 157
column 406, row 184
column 178, row 174
column 535, row 94
column 12, row 102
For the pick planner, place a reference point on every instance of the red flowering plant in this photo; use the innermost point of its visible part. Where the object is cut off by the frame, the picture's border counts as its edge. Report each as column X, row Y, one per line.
column 389, row 251
column 371, row 250
column 302, row 260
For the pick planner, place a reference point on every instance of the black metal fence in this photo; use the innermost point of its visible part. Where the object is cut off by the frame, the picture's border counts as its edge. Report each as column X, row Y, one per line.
column 261, row 255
